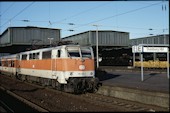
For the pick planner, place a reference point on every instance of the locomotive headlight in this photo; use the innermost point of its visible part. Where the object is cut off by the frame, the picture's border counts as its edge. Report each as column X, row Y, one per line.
column 82, row 67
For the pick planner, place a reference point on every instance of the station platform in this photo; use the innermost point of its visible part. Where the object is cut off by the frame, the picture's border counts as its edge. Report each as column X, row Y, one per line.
column 126, row 83
column 154, row 80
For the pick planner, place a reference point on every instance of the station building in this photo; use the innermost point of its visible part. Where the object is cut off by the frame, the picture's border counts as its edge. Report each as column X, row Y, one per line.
column 158, row 39
column 151, row 60
column 113, row 46
column 19, row 39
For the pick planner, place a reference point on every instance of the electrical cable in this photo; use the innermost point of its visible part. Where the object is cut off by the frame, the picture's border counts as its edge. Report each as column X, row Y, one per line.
column 7, row 9
column 80, row 13
column 118, row 15
column 19, row 13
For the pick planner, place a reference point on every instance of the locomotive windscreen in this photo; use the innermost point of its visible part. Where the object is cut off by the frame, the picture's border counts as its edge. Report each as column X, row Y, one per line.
column 84, row 52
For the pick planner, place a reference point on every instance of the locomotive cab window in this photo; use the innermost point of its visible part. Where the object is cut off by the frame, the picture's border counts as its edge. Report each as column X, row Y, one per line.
column 73, row 52
column 86, row 52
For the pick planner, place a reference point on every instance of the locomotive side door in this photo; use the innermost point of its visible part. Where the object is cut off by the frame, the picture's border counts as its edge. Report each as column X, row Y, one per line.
column 17, row 64
column 53, row 63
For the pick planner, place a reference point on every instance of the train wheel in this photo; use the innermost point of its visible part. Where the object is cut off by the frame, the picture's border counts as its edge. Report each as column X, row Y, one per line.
column 58, row 86
column 38, row 80
column 18, row 76
column 53, row 83
column 94, row 90
column 46, row 82
column 42, row 82
column 29, row 79
column 78, row 88
column 23, row 78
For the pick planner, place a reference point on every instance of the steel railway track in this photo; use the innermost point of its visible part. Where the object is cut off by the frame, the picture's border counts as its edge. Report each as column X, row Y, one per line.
column 123, row 105
column 15, row 103
column 5, row 108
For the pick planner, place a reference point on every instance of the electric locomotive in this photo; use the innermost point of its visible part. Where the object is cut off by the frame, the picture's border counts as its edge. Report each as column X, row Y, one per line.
column 69, row 68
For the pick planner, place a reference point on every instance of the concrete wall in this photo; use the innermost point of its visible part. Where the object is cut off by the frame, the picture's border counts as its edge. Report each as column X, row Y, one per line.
column 152, row 98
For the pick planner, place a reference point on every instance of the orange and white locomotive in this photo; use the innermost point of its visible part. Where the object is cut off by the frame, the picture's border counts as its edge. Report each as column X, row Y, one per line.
column 67, row 67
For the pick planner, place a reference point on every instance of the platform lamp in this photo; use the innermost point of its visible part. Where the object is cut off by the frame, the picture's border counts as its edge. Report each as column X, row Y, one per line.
column 97, row 53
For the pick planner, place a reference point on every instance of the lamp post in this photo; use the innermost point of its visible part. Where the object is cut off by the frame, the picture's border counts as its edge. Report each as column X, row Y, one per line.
column 50, row 40
column 97, row 53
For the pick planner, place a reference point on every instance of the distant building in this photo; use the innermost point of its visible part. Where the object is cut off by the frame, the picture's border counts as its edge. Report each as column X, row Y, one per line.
column 17, row 39
column 158, row 39
column 105, row 38
column 113, row 45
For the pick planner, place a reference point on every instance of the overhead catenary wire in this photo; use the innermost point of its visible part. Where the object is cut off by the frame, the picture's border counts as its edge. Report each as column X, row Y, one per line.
column 43, row 21
column 76, row 24
column 7, row 9
column 128, row 27
column 90, row 23
column 49, row 16
column 118, row 15
column 18, row 13
column 86, row 25
column 80, row 13
column 2, row 13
